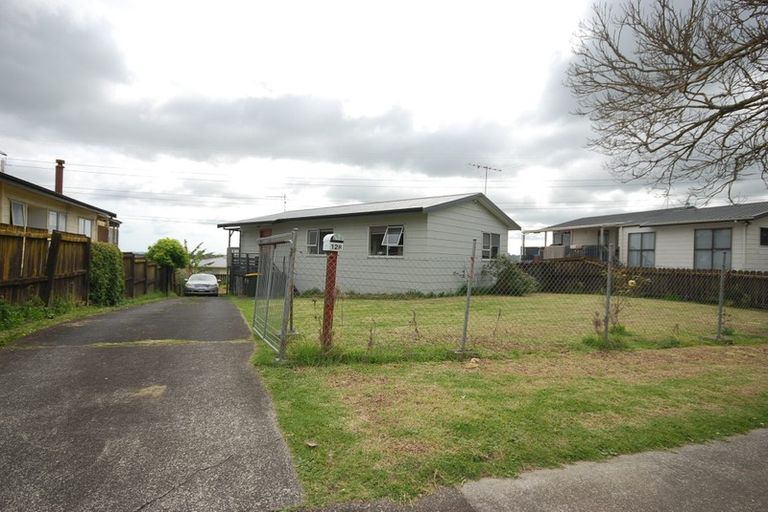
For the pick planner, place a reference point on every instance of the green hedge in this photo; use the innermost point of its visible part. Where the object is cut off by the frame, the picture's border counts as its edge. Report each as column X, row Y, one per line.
column 107, row 279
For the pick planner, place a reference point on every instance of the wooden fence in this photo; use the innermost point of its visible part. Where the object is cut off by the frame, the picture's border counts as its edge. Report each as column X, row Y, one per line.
column 36, row 263
column 143, row 276
column 742, row 288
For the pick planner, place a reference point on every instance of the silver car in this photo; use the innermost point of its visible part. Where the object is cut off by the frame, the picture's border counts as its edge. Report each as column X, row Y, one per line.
column 201, row 284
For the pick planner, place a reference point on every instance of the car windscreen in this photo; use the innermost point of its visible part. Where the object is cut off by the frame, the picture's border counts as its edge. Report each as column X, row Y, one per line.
column 202, row 278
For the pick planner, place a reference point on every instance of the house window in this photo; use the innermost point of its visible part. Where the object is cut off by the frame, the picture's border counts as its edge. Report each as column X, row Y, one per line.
column 386, row 241
column 561, row 238
column 57, row 221
column 85, row 226
column 491, row 245
column 763, row 236
column 315, row 240
column 711, row 247
column 642, row 250
column 18, row 214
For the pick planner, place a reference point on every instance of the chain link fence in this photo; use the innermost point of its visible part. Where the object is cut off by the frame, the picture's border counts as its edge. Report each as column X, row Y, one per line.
column 417, row 305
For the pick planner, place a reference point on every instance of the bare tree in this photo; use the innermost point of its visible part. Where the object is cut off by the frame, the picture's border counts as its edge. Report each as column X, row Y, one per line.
column 677, row 94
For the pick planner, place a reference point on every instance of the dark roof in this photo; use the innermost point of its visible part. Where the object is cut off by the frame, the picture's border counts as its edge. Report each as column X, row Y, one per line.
column 51, row 193
column 422, row 204
column 669, row 216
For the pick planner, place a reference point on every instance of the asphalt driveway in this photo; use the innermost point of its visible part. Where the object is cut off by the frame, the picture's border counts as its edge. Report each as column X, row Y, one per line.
column 92, row 421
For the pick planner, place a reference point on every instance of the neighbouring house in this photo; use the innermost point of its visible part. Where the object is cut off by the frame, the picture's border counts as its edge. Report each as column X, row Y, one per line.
column 397, row 246
column 686, row 237
column 25, row 204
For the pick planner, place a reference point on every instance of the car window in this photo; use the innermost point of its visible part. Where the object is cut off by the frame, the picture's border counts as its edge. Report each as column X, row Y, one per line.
column 202, row 278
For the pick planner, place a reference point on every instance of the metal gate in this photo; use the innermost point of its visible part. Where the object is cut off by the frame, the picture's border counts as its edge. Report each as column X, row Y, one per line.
column 273, row 302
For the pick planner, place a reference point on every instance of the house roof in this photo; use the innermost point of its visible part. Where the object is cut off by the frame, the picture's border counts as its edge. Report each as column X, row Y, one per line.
column 421, row 204
column 50, row 193
column 669, row 216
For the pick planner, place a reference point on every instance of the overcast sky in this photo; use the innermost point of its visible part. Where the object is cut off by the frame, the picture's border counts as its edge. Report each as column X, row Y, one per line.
column 177, row 115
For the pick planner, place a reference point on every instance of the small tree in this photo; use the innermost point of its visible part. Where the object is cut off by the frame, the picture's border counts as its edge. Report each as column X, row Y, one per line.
column 168, row 252
column 196, row 256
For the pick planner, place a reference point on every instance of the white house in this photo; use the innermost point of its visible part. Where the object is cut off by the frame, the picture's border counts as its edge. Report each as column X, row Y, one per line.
column 685, row 237
column 398, row 246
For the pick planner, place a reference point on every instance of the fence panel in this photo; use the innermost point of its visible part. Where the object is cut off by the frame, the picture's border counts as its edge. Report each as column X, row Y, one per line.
column 405, row 304
column 142, row 276
column 32, row 265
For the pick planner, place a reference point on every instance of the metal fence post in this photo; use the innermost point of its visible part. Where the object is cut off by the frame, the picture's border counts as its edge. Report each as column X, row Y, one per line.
column 721, row 301
column 470, row 278
column 287, row 323
column 608, row 285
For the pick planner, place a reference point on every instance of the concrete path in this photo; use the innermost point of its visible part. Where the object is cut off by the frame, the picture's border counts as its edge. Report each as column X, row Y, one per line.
column 722, row 476
column 91, row 421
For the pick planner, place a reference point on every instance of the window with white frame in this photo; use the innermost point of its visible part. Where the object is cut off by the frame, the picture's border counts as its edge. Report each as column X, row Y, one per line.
column 57, row 221
column 386, row 240
column 712, row 247
column 491, row 245
column 763, row 236
column 85, row 226
column 18, row 214
column 642, row 250
column 315, row 240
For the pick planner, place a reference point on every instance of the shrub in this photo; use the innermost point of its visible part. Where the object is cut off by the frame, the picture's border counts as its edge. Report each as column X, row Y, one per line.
column 168, row 252
column 107, row 280
column 509, row 278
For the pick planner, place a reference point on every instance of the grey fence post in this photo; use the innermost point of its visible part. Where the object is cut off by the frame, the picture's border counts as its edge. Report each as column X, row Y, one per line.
column 470, row 277
column 608, row 285
column 721, row 301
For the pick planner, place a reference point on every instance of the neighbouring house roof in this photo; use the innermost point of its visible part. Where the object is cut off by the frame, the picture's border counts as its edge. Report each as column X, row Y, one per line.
column 215, row 262
column 667, row 216
column 417, row 205
column 50, row 193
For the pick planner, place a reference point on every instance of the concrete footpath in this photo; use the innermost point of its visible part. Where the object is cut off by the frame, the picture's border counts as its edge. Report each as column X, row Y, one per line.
column 722, row 476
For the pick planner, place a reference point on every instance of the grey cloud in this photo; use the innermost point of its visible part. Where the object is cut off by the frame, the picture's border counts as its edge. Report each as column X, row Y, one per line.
column 63, row 71
column 50, row 61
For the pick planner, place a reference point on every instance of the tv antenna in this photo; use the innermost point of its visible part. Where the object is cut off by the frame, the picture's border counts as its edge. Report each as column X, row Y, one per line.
column 284, row 197
column 486, row 169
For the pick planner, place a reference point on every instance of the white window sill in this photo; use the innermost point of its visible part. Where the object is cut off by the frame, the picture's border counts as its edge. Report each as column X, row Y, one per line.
column 384, row 257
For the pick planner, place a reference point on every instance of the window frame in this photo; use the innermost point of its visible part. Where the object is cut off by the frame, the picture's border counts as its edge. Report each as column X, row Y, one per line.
column 392, row 250
column 764, row 237
column 642, row 251
column 59, row 217
column 80, row 230
column 24, row 213
column 486, row 251
column 712, row 250
column 561, row 235
column 317, row 248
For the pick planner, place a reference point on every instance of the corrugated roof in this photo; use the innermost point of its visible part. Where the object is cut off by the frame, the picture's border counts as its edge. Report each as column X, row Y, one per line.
column 669, row 216
column 51, row 193
column 421, row 204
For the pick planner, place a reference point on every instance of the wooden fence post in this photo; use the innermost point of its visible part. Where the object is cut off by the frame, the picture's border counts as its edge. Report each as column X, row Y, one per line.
column 50, row 267
column 87, row 265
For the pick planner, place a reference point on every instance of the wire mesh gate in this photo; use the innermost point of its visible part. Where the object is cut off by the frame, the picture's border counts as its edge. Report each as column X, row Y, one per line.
column 273, row 301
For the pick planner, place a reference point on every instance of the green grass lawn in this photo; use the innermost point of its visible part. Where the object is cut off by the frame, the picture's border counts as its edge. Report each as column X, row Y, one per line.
column 543, row 398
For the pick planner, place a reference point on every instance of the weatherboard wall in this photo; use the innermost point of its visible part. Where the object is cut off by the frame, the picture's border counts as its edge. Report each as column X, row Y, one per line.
column 435, row 255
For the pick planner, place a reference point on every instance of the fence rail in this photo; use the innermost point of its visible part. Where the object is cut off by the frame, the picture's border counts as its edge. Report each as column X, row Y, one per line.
column 36, row 263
